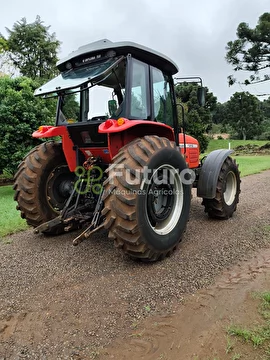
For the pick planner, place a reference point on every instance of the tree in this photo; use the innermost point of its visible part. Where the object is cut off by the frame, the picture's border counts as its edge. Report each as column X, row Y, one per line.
column 220, row 121
column 3, row 45
column 6, row 66
column 198, row 118
column 265, row 106
column 244, row 115
column 31, row 49
column 251, row 51
column 20, row 114
column 220, row 114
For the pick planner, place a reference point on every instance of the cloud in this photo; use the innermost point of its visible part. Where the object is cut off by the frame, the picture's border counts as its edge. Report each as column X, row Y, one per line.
column 194, row 34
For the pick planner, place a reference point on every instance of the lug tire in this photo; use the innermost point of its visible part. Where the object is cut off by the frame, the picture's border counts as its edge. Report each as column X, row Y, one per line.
column 34, row 182
column 227, row 192
column 144, row 228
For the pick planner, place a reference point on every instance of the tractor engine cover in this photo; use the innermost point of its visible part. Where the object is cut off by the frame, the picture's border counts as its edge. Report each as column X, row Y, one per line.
column 190, row 148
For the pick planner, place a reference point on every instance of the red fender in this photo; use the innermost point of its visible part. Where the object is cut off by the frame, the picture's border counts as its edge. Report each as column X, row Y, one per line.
column 123, row 131
column 67, row 143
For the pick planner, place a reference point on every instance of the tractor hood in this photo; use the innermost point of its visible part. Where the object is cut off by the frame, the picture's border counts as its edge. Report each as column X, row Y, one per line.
column 75, row 78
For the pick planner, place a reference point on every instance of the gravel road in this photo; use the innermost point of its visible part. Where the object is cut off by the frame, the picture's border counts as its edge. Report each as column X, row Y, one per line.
column 62, row 302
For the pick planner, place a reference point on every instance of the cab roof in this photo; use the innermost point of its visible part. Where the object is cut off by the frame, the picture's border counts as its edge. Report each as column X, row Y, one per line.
column 105, row 46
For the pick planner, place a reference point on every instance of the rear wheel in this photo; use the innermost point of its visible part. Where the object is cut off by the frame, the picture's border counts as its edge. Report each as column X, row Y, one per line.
column 146, row 203
column 42, row 185
column 227, row 192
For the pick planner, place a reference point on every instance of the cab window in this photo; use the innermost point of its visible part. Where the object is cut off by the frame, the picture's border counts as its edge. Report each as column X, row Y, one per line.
column 139, row 107
column 162, row 98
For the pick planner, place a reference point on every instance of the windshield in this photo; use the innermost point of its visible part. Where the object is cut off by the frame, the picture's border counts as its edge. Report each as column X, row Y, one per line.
column 74, row 78
column 99, row 102
column 97, row 108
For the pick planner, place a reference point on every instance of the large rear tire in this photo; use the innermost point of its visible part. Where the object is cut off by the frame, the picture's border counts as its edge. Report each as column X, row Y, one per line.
column 227, row 192
column 42, row 185
column 146, row 203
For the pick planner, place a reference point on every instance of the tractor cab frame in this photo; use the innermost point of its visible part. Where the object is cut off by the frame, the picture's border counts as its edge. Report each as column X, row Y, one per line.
column 139, row 86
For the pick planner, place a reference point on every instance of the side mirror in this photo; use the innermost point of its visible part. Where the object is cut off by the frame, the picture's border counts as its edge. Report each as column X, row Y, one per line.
column 112, row 106
column 201, row 95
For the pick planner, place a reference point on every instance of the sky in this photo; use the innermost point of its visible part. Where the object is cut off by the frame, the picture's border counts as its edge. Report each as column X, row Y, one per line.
column 193, row 33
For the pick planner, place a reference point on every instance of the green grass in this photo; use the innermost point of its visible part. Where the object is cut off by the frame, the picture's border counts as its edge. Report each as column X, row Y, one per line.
column 252, row 164
column 257, row 335
column 248, row 164
column 265, row 306
column 10, row 219
column 224, row 144
column 236, row 357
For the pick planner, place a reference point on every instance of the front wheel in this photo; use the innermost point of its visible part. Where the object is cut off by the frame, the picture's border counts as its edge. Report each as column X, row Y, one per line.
column 146, row 201
column 227, row 192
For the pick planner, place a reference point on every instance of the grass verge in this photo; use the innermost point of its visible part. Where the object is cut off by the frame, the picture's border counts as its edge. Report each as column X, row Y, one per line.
column 10, row 220
column 258, row 335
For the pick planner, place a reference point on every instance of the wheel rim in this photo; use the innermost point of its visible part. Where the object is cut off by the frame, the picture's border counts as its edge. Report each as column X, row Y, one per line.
column 164, row 199
column 231, row 188
column 59, row 187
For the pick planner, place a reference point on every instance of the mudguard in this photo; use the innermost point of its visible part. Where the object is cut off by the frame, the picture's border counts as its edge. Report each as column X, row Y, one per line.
column 67, row 144
column 123, row 131
column 123, row 124
column 209, row 173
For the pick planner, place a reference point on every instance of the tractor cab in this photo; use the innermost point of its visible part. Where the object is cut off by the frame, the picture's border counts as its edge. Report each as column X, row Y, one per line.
column 103, row 82
column 112, row 80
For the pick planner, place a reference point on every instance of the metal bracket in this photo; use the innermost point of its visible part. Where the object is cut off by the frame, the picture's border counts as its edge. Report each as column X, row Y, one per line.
column 94, row 226
column 48, row 225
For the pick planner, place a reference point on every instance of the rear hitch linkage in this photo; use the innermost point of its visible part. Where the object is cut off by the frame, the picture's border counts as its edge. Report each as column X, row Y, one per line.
column 96, row 223
column 76, row 213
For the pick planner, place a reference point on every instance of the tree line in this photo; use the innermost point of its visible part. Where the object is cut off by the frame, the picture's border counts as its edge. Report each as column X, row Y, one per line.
column 28, row 56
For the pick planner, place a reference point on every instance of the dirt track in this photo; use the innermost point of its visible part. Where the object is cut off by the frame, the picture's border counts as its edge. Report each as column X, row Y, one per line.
column 61, row 302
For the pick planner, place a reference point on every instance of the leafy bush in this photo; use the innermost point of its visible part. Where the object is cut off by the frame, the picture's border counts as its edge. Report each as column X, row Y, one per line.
column 20, row 114
column 216, row 128
column 264, row 136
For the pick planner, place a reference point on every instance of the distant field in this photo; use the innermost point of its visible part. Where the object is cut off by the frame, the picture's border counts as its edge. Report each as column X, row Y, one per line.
column 252, row 164
column 224, row 144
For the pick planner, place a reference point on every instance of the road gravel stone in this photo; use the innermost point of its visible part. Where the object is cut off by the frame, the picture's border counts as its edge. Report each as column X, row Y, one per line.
column 62, row 302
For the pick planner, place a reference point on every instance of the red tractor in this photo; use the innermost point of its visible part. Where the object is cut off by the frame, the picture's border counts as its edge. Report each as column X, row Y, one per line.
column 122, row 161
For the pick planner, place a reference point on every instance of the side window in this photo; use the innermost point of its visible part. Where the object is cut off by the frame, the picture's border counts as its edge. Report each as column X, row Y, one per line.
column 162, row 98
column 139, row 104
